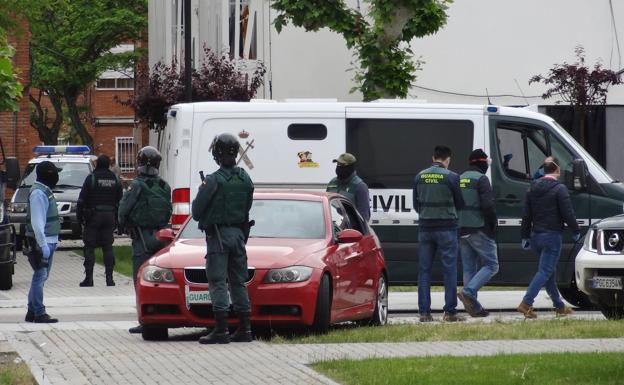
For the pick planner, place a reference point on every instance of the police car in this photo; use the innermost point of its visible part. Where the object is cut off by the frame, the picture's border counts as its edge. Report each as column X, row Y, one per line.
column 74, row 164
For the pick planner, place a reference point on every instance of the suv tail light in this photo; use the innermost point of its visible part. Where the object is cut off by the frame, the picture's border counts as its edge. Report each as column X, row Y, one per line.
column 181, row 202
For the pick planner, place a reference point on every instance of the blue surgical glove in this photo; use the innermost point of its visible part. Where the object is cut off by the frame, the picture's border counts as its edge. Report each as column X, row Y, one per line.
column 576, row 237
column 45, row 250
column 507, row 157
column 526, row 244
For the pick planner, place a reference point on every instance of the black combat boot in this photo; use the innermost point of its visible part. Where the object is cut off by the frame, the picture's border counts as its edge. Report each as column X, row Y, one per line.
column 243, row 333
column 88, row 281
column 219, row 334
column 109, row 277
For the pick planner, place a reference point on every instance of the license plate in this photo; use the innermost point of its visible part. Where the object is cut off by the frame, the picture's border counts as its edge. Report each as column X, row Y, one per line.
column 607, row 283
column 197, row 297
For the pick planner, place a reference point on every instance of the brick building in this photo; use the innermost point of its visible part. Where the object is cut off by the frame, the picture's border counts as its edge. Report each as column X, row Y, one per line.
column 110, row 123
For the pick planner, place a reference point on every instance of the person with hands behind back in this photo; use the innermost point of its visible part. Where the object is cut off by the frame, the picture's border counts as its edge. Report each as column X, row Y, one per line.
column 42, row 229
column 547, row 207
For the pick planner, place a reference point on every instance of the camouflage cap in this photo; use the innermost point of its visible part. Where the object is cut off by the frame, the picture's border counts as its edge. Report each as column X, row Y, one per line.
column 345, row 159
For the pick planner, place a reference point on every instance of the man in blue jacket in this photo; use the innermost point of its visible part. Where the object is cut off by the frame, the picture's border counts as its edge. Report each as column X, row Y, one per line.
column 42, row 229
column 547, row 207
column 437, row 199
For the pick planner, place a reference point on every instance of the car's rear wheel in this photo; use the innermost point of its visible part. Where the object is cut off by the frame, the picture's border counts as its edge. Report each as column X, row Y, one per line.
column 612, row 312
column 380, row 316
column 155, row 333
column 322, row 314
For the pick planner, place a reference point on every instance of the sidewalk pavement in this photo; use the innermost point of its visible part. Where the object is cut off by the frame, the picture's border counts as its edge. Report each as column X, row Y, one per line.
column 92, row 345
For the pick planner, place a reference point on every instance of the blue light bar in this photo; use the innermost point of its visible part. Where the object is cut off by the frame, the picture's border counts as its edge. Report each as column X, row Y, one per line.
column 492, row 109
column 46, row 150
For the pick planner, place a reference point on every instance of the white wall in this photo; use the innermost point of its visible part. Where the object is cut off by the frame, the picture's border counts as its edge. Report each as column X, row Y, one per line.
column 486, row 44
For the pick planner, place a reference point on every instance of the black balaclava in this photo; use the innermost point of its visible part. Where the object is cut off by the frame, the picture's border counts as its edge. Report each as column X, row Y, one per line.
column 47, row 173
column 103, row 162
column 344, row 171
column 479, row 159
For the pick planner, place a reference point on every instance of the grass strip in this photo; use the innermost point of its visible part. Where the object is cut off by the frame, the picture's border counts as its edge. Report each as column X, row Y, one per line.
column 123, row 258
column 13, row 371
column 498, row 329
column 552, row 369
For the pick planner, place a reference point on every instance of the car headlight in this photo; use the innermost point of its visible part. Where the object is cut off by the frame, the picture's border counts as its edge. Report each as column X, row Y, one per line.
column 17, row 207
column 72, row 206
column 591, row 240
column 288, row 274
column 158, row 274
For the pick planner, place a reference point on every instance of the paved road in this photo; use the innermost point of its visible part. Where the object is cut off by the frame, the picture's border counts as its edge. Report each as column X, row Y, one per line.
column 91, row 344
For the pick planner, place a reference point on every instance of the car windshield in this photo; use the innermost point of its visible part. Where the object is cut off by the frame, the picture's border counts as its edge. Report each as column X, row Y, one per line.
column 278, row 219
column 71, row 175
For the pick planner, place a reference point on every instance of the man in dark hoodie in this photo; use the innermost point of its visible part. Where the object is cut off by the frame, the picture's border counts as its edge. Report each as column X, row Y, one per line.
column 97, row 209
column 547, row 207
column 350, row 185
column 477, row 222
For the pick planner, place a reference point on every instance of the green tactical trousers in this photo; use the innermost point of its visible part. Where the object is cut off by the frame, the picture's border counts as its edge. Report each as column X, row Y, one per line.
column 139, row 252
column 227, row 260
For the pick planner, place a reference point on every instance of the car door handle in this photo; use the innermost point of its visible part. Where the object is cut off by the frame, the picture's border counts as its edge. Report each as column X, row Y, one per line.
column 509, row 199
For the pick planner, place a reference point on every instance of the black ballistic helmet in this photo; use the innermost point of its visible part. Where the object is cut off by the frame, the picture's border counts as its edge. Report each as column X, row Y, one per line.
column 148, row 156
column 224, row 146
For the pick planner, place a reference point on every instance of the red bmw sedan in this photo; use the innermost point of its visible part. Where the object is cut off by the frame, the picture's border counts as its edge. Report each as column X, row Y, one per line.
column 312, row 261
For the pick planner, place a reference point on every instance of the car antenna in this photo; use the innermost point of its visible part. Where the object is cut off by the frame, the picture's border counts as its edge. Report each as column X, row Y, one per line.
column 488, row 97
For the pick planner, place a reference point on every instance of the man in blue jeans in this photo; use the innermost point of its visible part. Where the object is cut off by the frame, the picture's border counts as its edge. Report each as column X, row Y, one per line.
column 42, row 229
column 437, row 198
column 547, row 207
column 477, row 230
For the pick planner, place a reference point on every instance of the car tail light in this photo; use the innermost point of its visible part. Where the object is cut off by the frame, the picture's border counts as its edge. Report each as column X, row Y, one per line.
column 181, row 201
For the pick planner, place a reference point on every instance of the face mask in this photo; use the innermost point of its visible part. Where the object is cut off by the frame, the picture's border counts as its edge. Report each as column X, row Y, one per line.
column 343, row 172
column 50, row 180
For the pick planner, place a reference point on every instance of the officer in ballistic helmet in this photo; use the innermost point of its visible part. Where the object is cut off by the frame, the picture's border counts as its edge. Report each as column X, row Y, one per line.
column 144, row 209
column 222, row 209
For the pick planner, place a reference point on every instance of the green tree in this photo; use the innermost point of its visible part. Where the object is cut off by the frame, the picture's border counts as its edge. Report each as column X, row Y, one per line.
column 70, row 48
column 10, row 86
column 380, row 38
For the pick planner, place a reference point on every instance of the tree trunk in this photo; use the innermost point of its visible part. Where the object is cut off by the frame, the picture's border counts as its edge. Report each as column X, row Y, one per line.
column 39, row 118
column 74, row 116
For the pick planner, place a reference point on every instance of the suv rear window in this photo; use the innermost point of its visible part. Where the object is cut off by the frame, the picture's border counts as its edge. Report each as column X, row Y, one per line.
column 390, row 152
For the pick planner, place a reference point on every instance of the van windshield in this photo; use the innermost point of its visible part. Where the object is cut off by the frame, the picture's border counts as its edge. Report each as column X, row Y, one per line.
column 600, row 174
column 277, row 218
column 71, row 175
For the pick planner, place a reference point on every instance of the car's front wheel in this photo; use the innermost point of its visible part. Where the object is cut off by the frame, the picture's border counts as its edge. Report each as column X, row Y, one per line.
column 155, row 333
column 612, row 312
column 322, row 315
column 380, row 316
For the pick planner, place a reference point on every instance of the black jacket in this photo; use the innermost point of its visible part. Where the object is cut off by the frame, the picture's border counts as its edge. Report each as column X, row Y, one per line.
column 101, row 188
column 547, row 207
column 486, row 202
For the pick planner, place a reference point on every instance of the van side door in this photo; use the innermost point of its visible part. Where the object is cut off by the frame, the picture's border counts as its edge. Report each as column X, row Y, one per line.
column 519, row 147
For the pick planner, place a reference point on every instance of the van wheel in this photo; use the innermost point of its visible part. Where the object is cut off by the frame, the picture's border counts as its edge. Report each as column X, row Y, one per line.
column 6, row 276
column 153, row 333
column 576, row 297
column 322, row 314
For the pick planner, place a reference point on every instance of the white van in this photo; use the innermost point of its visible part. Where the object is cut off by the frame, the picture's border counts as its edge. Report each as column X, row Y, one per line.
column 292, row 144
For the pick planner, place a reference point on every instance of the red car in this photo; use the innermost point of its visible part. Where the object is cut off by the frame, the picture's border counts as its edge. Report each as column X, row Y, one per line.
column 312, row 262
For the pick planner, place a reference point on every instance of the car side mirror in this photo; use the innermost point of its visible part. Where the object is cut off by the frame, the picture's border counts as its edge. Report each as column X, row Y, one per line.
column 12, row 172
column 577, row 180
column 349, row 236
column 165, row 235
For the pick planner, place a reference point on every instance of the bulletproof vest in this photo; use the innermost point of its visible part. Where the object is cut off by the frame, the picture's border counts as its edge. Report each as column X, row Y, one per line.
column 470, row 215
column 53, row 223
column 152, row 209
column 103, row 188
column 434, row 194
column 345, row 188
column 229, row 205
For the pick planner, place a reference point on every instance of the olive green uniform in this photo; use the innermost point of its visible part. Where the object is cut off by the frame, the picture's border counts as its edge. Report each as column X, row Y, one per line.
column 132, row 206
column 222, row 209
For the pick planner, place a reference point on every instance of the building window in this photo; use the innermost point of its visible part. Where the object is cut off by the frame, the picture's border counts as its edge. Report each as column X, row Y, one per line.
column 243, row 36
column 125, row 153
column 115, row 84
